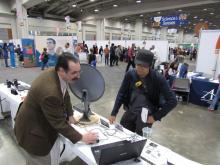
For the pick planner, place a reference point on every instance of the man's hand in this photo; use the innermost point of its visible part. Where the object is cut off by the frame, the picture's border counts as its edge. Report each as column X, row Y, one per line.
column 150, row 120
column 72, row 120
column 90, row 138
column 112, row 119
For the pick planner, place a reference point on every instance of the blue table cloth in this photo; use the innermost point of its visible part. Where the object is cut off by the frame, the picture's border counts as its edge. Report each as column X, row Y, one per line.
column 201, row 91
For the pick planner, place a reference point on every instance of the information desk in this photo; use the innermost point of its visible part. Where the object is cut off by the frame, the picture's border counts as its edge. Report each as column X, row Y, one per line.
column 152, row 153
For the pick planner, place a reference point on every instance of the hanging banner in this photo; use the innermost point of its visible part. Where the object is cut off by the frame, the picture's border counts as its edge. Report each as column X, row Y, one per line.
column 170, row 20
column 28, row 52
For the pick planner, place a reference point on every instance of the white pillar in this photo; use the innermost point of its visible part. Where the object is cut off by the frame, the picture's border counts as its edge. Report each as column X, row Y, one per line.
column 163, row 33
column 138, row 29
column 21, row 20
column 100, row 29
column 180, row 36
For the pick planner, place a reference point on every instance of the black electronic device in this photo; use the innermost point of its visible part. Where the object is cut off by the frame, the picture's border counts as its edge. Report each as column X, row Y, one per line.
column 118, row 151
column 89, row 88
column 119, row 127
column 9, row 84
column 15, row 82
column 103, row 122
column 14, row 92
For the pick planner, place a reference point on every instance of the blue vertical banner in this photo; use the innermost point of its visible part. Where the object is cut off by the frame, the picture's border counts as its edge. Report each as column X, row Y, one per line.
column 28, row 52
column 12, row 54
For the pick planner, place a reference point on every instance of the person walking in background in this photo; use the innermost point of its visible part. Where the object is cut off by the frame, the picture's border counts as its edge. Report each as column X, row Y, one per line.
column 86, row 50
column 154, row 51
column 5, row 54
column 95, row 49
column 215, row 105
column 20, row 54
column 117, row 54
column 131, row 56
column 67, row 48
column 44, row 59
column 194, row 54
column 183, row 70
column 92, row 58
column 101, row 52
column 106, row 53
column 112, row 54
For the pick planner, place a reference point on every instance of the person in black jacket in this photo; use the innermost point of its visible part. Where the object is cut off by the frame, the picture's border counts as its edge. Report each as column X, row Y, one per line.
column 112, row 54
column 143, row 88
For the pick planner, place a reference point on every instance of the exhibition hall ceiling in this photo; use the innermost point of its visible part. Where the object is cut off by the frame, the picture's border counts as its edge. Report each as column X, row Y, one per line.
column 128, row 11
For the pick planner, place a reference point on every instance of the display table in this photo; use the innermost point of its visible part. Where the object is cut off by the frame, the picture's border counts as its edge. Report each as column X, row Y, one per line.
column 201, row 90
column 10, row 102
column 158, row 154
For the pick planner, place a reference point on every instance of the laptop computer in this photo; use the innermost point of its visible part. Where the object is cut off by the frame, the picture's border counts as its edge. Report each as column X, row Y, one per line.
column 118, row 151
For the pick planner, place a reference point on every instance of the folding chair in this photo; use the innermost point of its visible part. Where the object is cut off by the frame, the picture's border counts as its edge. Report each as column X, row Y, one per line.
column 181, row 87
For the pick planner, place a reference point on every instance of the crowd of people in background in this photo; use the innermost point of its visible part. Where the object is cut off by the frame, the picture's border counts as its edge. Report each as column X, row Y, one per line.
column 111, row 55
column 191, row 52
column 5, row 51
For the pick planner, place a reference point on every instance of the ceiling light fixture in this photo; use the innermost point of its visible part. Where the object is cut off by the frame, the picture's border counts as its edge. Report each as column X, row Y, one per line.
column 74, row 5
column 211, row 13
column 138, row 1
column 141, row 15
column 201, row 19
column 92, row 0
column 205, row 9
column 158, row 12
column 180, row 10
column 81, row 10
column 126, row 19
column 96, row 10
column 195, row 17
column 115, row 5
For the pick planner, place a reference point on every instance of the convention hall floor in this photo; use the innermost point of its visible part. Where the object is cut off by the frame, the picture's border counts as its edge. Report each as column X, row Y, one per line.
column 189, row 130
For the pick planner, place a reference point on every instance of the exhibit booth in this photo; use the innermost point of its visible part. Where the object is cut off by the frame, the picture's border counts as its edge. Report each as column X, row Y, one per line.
column 208, row 60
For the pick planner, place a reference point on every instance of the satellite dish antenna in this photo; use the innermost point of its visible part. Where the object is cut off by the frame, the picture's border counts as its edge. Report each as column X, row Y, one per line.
column 88, row 88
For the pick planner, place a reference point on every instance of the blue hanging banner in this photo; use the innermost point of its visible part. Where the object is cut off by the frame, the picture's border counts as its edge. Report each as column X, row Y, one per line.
column 171, row 20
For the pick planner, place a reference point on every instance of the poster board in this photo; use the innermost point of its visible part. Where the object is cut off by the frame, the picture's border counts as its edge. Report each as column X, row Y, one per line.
column 54, row 44
column 207, row 59
column 28, row 48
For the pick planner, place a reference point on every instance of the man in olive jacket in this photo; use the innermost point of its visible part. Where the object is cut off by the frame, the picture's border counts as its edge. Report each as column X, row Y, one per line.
column 47, row 111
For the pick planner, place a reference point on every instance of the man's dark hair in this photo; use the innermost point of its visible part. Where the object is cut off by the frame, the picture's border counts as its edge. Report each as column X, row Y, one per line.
column 62, row 61
column 51, row 39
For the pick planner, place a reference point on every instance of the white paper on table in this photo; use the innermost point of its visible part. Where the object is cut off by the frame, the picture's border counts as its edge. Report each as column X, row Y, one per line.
column 144, row 114
column 177, row 159
column 156, row 155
